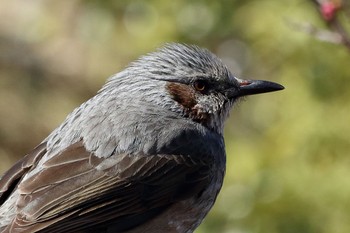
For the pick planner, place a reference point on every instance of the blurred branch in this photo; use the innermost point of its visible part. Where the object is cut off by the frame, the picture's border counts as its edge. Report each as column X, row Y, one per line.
column 329, row 11
column 320, row 34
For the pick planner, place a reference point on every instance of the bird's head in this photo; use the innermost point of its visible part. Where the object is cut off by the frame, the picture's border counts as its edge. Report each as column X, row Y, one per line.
column 195, row 83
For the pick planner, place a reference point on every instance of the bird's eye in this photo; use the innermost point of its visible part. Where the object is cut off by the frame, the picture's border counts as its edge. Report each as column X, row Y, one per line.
column 200, row 85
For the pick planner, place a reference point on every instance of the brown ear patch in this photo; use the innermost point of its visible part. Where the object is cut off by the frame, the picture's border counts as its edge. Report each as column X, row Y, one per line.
column 183, row 94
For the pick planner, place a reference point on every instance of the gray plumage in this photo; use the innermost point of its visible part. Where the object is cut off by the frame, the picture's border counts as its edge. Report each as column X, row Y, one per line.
column 146, row 154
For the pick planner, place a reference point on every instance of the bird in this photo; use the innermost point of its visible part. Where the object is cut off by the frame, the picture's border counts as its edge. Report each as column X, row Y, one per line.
column 145, row 154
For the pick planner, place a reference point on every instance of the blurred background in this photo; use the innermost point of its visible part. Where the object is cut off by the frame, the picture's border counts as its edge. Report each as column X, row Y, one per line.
column 288, row 152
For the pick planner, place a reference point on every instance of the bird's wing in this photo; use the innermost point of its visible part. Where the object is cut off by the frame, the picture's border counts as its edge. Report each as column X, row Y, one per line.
column 10, row 180
column 75, row 190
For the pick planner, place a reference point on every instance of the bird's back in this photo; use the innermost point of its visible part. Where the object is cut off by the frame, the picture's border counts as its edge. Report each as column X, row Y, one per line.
column 173, row 192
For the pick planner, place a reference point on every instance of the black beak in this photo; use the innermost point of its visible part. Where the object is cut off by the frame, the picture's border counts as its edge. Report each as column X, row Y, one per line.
column 252, row 87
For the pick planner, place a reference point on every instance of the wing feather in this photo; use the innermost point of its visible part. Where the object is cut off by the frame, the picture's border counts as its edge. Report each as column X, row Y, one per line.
column 75, row 190
column 11, row 178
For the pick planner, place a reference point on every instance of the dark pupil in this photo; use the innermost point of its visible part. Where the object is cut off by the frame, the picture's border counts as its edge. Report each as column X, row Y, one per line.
column 199, row 85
